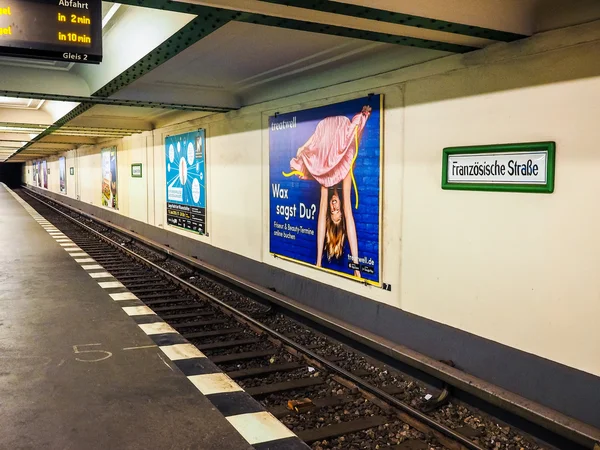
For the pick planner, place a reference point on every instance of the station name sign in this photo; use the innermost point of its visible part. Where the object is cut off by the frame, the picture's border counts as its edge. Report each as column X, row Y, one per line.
column 61, row 30
column 506, row 167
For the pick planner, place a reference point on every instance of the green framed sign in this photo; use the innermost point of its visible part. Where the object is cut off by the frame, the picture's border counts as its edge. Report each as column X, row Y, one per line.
column 136, row 170
column 527, row 167
column 71, row 171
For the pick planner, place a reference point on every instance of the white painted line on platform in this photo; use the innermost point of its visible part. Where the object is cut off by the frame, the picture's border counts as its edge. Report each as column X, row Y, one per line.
column 92, row 267
column 181, row 351
column 85, row 260
column 214, row 383
column 123, row 296
column 259, row 427
column 156, row 328
column 138, row 310
column 79, row 255
column 110, row 284
column 100, row 275
column 66, row 244
column 72, row 249
column 63, row 240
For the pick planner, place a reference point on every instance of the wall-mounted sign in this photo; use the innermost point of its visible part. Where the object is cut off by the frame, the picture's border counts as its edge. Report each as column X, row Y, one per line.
column 71, row 170
column 136, row 170
column 506, row 167
column 325, row 187
column 62, row 172
column 186, row 180
column 63, row 30
column 109, row 177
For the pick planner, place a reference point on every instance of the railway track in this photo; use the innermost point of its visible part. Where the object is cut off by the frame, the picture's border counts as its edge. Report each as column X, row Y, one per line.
column 313, row 385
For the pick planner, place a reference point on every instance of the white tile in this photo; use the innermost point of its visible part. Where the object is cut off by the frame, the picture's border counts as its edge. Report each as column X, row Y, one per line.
column 259, row 427
column 66, row 244
column 214, row 383
column 73, row 249
column 63, row 240
column 100, row 275
column 156, row 328
column 85, row 260
column 79, row 255
column 137, row 310
column 110, row 284
column 92, row 267
column 123, row 296
column 181, row 351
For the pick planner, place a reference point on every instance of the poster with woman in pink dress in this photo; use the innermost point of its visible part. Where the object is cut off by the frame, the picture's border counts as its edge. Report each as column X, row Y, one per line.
column 325, row 187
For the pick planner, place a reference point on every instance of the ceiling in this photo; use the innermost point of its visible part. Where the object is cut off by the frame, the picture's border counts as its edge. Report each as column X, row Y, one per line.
column 209, row 56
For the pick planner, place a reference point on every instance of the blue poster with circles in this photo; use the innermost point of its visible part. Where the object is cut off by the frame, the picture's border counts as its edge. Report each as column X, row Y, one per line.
column 186, row 181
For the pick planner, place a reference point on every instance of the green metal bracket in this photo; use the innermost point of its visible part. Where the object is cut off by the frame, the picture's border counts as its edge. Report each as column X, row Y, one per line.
column 314, row 27
column 381, row 15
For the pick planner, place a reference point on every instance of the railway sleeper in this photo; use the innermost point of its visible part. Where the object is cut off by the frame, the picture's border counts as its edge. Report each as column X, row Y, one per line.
column 186, row 315
column 244, row 356
column 339, row 429
column 199, row 323
column 272, row 388
column 183, row 307
column 258, row 371
column 203, row 334
column 281, row 411
column 226, row 344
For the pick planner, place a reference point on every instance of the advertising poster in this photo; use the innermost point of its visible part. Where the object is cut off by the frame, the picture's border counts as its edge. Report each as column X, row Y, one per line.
column 62, row 172
column 34, row 170
column 39, row 172
column 325, row 172
column 186, row 181
column 45, row 174
column 109, row 177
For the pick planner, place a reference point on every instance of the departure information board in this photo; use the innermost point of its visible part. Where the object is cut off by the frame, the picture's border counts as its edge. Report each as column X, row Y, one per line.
column 64, row 30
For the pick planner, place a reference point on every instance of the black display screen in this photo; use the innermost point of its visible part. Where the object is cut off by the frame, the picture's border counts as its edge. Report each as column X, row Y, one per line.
column 63, row 30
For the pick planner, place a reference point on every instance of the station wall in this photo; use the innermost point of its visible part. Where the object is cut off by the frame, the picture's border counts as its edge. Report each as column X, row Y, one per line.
column 518, row 269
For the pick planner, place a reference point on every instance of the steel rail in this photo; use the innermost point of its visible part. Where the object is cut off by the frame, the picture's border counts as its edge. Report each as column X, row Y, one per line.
column 463, row 440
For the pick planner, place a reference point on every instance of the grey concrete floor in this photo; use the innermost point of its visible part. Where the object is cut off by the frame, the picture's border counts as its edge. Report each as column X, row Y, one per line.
column 54, row 398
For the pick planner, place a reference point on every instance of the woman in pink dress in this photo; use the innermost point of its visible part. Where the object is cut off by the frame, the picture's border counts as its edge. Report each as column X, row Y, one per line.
column 328, row 157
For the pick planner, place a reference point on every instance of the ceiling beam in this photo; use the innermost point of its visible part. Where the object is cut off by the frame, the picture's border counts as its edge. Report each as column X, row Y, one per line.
column 381, row 15
column 95, row 100
column 261, row 14
column 187, row 36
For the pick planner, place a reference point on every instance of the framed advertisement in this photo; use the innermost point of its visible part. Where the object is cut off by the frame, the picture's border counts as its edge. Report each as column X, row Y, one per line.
column 325, row 188
column 109, row 177
column 186, row 181
column 62, row 169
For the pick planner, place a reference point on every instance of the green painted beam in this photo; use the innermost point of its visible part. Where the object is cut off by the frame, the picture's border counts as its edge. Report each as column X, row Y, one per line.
column 112, row 101
column 382, row 15
column 312, row 27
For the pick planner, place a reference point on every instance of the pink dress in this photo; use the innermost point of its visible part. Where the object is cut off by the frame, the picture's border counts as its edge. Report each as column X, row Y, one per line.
column 328, row 154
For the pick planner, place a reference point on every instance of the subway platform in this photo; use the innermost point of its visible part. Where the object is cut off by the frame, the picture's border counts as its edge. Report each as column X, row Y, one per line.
column 75, row 371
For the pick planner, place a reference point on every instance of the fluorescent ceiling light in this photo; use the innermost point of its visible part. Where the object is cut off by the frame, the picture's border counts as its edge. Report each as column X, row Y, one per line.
column 109, row 15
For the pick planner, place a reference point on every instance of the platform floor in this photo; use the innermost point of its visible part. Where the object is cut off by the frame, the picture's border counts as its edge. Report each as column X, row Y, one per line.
column 75, row 371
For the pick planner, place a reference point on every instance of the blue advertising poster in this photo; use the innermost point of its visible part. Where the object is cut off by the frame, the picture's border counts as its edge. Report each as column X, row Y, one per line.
column 324, row 167
column 186, row 181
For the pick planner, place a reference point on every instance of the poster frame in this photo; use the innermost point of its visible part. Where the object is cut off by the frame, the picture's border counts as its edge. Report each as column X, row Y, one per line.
column 64, row 166
column 134, row 167
column 204, row 132
column 547, row 188
column 379, row 283
column 102, row 152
